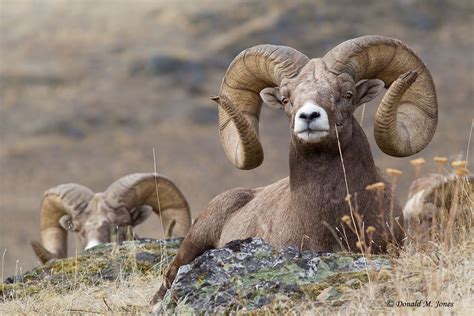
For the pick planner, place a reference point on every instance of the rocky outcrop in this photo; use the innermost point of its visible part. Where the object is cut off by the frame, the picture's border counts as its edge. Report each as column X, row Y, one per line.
column 249, row 274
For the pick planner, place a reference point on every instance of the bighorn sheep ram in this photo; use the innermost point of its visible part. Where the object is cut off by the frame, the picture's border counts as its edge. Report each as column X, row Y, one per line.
column 319, row 96
column 433, row 196
column 94, row 217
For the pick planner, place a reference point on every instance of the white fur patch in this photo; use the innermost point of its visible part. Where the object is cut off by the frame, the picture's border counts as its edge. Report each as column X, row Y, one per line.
column 92, row 243
column 311, row 130
column 413, row 206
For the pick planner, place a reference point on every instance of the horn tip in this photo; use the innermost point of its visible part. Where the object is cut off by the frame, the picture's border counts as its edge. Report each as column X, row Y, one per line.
column 409, row 76
column 43, row 254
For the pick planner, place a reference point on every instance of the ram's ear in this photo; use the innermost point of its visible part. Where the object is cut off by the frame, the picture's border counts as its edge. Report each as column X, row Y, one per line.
column 140, row 214
column 66, row 222
column 367, row 90
column 272, row 97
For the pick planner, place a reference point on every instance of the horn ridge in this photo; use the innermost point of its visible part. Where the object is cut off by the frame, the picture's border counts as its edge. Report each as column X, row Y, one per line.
column 407, row 117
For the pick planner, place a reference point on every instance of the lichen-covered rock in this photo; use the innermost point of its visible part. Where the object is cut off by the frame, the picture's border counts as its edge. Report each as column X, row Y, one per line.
column 244, row 275
column 102, row 263
column 248, row 274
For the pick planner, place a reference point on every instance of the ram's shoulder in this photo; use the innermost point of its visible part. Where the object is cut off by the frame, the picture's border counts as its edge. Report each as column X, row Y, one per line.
column 231, row 200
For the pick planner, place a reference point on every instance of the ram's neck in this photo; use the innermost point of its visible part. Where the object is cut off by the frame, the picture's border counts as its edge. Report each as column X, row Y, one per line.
column 318, row 188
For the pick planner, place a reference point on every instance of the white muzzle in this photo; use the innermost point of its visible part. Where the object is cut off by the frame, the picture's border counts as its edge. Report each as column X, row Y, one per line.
column 311, row 122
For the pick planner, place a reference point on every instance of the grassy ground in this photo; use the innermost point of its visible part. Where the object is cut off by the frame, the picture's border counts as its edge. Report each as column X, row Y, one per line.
column 443, row 275
column 131, row 296
column 109, row 278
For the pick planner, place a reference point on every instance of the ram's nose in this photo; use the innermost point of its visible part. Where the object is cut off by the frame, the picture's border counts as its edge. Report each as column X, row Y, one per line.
column 92, row 243
column 309, row 116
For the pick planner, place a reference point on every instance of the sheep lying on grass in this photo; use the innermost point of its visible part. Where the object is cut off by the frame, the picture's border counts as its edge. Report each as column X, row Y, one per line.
column 94, row 217
column 436, row 202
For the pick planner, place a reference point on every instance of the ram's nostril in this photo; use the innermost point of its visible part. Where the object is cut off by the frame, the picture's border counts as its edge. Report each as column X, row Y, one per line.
column 309, row 117
column 314, row 115
column 303, row 116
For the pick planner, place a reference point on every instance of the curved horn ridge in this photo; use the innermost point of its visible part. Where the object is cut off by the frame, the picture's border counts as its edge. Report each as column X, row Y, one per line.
column 58, row 201
column 41, row 252
column 407, row 117
column 155, row 190
column 249, row 145
column 251, row 71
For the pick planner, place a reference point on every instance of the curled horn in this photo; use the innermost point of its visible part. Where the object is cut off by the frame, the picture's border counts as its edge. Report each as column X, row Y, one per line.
column 65, row 199
column 406, row 118
column 156, row 191
column 239, row 101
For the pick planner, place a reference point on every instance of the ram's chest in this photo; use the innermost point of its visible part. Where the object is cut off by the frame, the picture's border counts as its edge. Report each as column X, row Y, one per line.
column 293, row 228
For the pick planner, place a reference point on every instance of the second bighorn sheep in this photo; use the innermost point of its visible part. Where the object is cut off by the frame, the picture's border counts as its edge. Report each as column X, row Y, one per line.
column 95, row 216
column 319, row 97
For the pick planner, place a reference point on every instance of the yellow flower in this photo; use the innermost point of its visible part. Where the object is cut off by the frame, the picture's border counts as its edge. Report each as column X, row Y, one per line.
column 417, row 162
column 440, row 160
column 375, row 186
column 370, row 229
column 393, row 172
column 459, row 164
column 346, row 219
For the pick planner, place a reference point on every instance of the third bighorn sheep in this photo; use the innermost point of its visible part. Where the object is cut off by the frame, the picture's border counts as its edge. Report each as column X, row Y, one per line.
column 94, row 217
column 319, row 97
column 431, row 199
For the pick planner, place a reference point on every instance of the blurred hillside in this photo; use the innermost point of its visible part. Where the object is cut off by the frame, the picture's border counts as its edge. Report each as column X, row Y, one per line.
column 89, row 88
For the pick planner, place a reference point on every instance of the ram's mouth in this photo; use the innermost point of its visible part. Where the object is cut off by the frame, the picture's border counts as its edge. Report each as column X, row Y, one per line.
column 312, row 135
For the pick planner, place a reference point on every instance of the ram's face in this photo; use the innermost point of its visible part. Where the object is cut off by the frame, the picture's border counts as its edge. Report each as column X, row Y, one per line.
column 99, row 224
column 317, row 101
column 92, row 225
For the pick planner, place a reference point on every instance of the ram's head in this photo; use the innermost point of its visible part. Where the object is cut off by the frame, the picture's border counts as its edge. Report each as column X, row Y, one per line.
column 96, row 217
column 322, row 93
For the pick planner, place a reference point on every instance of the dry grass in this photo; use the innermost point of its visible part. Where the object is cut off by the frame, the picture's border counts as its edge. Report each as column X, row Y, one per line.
column 435, row 267
column 79, row 293
column 129, row 296
column 444, row 275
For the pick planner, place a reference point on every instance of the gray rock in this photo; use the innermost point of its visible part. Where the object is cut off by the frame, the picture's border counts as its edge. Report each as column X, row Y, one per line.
column 249, row 274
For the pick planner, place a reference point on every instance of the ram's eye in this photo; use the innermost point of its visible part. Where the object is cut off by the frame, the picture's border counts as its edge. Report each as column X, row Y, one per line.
column 285, row 100
column 347, row 95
